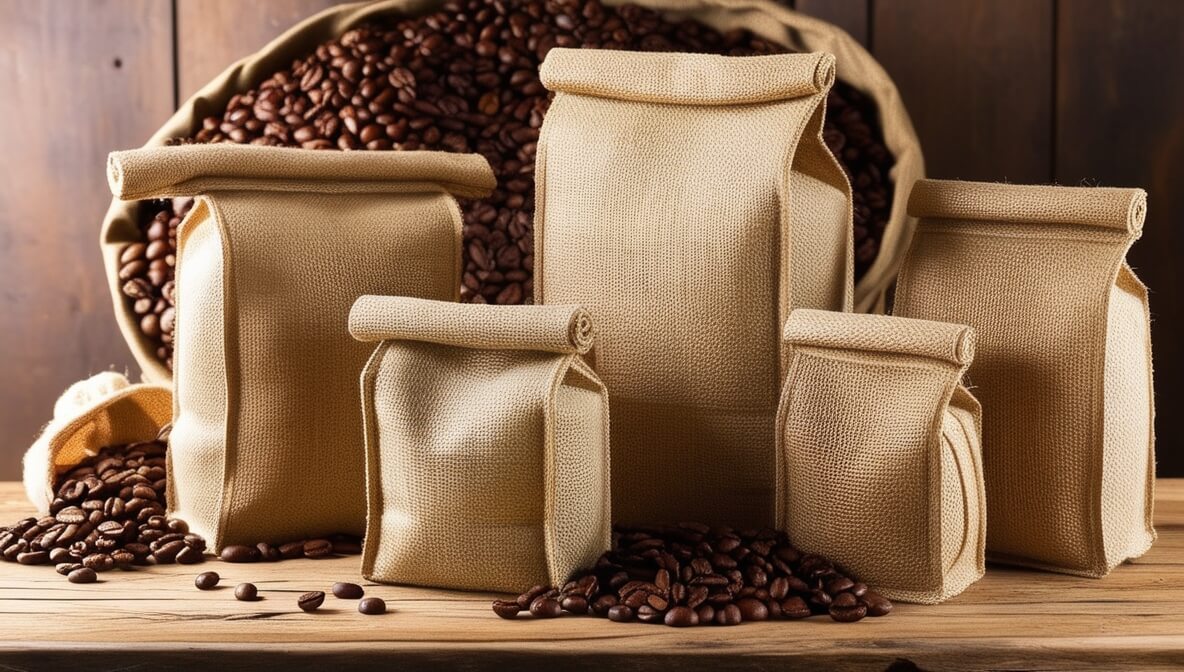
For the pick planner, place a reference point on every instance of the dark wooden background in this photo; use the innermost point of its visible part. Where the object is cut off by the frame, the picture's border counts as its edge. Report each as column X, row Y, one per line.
column 1038, row 91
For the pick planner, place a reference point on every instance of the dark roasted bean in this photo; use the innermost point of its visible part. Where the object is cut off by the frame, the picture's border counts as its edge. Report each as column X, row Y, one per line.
column 82, row 575
column 620, row 613
column 348, row 591
column 239, row 553
column 371, row 606
column 247, row 592
column 506, row 608
column 206, row 580
column 545, row 607
column 311, row 601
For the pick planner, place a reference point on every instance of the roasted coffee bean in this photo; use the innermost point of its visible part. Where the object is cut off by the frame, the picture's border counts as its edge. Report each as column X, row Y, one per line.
column 795, row 607
column 371, row 606
column 122, row 558
column 729, row 615
column 506, row 608
column 267, row 552
column 82, row 575
column 167, row 552
column 525, row 599
column 348, row 591
column 206, row 580
column 311, row 601
column 602, row 604
column 847, row 608
column 877, row 604
column 706, row 614
column 291, row 550
column 247, row 592
column 647, row 614
column 545, row 607
column 681, row 617
column 752, row 609
column 239, row 553
column 100, row 562
column 576, row 604
column 620, row 613
column 318, row 548
column 59, row 554
column 33, row 557
column 64, row 568
column 189, row 555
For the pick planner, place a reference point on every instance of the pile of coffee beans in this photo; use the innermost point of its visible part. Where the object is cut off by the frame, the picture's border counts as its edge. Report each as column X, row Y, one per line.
column 692, row 574
column 309, row 548
column 465, row 79
column 109, row 513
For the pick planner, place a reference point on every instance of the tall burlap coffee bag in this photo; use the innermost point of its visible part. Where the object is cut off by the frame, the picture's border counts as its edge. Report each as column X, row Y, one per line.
column 1064, row 360
column 267, row 443
column 486, row 444
column 688, row 201
column 878, row 460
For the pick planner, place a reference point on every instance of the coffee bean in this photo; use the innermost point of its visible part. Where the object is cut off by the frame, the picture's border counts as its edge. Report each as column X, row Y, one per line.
column 348, row 591
column 729, row 615
column 877, row 604
column 372, row 606
column 99, row 562
column 206, row 580
column 311, row 601
column 795, row 607
column 620, row 613
column 706, row 614
column 848, row 614
column 752, row 609
column 681, row 617
column 525, row 599
column 291, row 550
column 506, row 608
column 64, row 568
column 33, row 557
column 576, row 604
column 318, row 548
column 267, row 552
column 602, row 604
column 247, row 592
column 190, row 555
column 545, row 607
column 82, row 575
column 239, row 553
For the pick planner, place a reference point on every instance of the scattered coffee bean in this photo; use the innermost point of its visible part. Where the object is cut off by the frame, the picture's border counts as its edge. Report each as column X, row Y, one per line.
column 877, row 604
column 82, row 575
column 239, row 553
column 247, row 592
column 681, row 617
column 347, row 591
column 318, row 548
column 311, row 601
column 66, row 567
column 372, row 606
column 545, row 607
column 506, row 608
column 206, row 580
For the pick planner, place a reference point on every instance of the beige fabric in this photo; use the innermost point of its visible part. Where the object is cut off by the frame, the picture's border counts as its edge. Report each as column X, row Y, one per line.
column 675, row 204
column 768, row 19
column 103, row 410
column 486, row 443
column 878, row 460
column 1064, row 362
column 267, row 443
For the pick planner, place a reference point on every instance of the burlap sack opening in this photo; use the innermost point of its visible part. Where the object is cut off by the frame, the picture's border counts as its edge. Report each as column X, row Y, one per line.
column 103, row 410
column 486, row 444
column 678, row 199
column 879, row 461
column 267, row 443
column 1064, row 360
column 772, row 21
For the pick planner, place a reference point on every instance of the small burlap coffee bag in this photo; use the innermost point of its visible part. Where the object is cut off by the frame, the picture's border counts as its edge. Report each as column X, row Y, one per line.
column 878, row 461
column 486, row 444
column 101, row 411
column 687, row 202
column 1064, row 360
column 267, row 443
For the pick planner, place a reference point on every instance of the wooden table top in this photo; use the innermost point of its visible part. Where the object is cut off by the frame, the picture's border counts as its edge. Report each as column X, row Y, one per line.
column 1013, row 619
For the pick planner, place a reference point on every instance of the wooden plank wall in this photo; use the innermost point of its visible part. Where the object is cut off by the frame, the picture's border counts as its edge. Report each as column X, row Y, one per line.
column 1070, row 91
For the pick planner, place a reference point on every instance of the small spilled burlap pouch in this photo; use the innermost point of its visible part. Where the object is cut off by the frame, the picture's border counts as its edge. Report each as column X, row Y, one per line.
column 687, row 202
column 267, row 444
column 487, row 458
column 879, row 462
column 103, row 410
column 1064, row 360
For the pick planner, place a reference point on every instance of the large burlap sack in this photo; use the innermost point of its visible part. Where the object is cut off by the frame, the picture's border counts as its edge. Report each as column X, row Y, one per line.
column 688, row 202
column 267, row 443
column 103, row 410
column 879, row 463
column 772, row 21
column 1064, row 360
column 486, row 444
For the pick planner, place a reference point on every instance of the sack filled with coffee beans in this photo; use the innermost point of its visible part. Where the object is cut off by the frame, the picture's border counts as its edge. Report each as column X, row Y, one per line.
column 487, row 457
column 462, row 76
column 688, row 202
column 101, row 411
column 267, row 442
column 1064, row 360
column 879, row 463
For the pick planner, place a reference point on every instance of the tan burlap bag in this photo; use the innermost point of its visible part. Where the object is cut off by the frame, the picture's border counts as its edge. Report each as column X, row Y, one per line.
column 878, row 461
column 103, row 410
column 486, row 444
column 688, row 201
column 1064, row 361
column 764, row 17
column 267, row 444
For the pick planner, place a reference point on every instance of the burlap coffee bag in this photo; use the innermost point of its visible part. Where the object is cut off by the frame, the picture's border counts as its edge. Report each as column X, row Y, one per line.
column 486, row 444
column 1064, row 360
column 267, row 443
column 878, row 460
column 688, row 201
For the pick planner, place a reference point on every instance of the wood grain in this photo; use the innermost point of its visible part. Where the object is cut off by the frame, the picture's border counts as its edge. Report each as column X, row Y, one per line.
column 1119, row 123
column 850, row 15
column 976, row 77
column 77, row 84
column 1012, row 619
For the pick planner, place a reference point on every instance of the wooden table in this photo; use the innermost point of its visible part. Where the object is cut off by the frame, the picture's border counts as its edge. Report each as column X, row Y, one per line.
column 1012, row 619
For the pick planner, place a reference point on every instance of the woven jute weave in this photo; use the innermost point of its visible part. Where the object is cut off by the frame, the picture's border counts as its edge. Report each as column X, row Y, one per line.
column 267, row 443
column 879, row 463
column 487, row 455
column 1064, row 360
column 687, row 202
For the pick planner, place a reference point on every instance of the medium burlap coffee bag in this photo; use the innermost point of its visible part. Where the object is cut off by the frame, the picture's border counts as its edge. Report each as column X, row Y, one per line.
column 487, row 456
column 1064, row 360
column 878, row 460
column 687, row 202
column 267, row 444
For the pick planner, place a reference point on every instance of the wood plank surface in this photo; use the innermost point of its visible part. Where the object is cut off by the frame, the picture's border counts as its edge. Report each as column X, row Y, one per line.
column 77, row 84
column 1119, row 123
column 1012, row 619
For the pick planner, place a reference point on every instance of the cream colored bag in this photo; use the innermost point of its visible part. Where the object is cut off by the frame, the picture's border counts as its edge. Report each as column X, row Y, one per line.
column 1064, row 360
column 688, row 201
column 267, row 443
column 879, row 463
column 486, row 444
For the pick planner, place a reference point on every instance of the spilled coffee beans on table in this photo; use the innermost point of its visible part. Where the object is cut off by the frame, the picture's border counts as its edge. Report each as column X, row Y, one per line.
column 465, row 79
column 691, row 574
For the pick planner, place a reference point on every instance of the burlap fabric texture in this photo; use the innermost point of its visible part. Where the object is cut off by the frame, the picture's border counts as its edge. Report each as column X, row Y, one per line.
column 1064, row 360
column 487, row 435
column 103, row 410
column 878, row 461
column 687, row 202
column 769, row 19
column 267, row 443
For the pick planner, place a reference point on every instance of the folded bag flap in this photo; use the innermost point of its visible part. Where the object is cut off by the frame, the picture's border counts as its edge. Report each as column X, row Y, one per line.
column 558, row 329
column 686, row 79
column 189, row 170
column 942, row 341
column 1107, row 207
